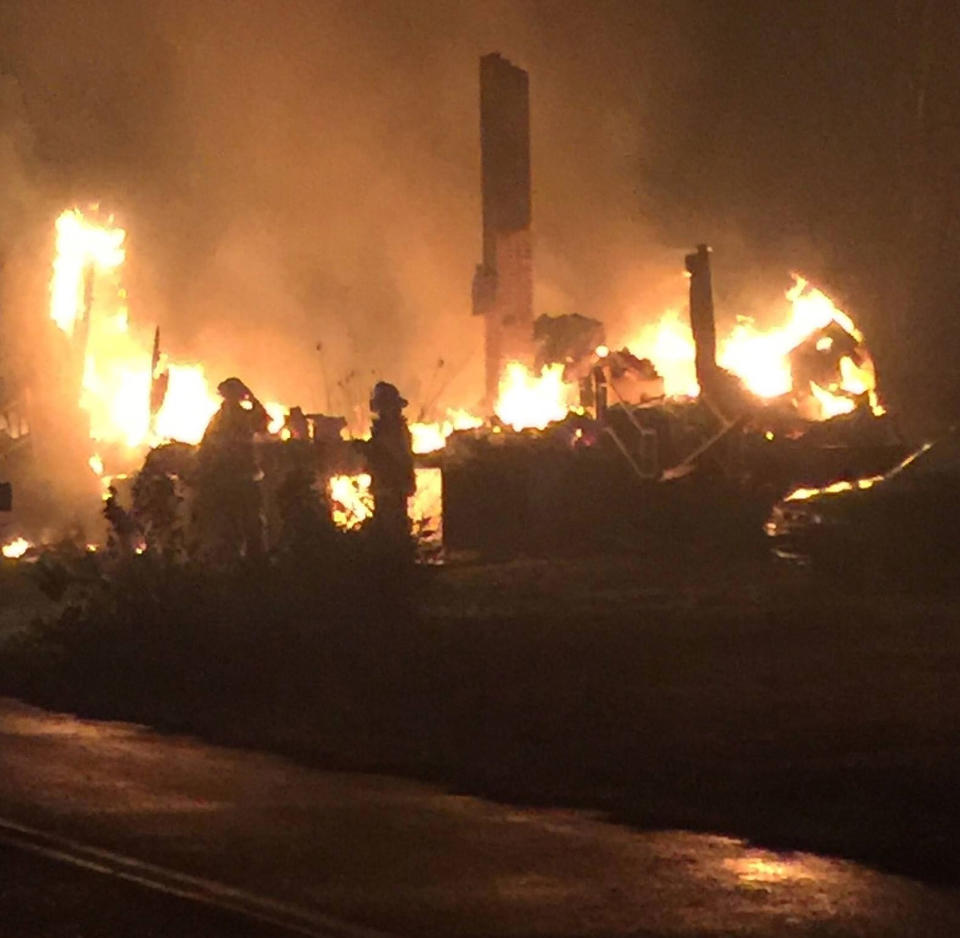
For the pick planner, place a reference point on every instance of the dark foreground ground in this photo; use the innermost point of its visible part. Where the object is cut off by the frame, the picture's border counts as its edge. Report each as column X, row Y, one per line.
column 42, row 898
column 737, row 698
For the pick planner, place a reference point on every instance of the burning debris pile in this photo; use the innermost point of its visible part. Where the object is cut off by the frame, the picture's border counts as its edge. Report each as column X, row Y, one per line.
column 601, row 451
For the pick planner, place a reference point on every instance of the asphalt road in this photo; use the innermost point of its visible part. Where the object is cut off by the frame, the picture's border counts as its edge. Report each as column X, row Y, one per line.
column 405, row 858
column 43, row 898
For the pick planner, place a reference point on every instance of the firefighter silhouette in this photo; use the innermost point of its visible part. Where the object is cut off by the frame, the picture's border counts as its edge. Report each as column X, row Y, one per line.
column 390, row 461
column 228, row 497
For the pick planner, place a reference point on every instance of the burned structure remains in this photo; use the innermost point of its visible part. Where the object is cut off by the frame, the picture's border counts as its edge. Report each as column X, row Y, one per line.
column 577, row 444
column 630, row 464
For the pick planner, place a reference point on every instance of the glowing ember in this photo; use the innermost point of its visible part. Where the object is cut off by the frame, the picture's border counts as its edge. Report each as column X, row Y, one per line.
column 834, row 488
column 830, row 404
column 802, row 494
column 350, row 500
column 430, row 437
column 16, row 548
column 527, row 401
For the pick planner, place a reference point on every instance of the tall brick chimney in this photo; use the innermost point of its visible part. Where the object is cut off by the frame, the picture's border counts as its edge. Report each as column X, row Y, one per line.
column 503, row 283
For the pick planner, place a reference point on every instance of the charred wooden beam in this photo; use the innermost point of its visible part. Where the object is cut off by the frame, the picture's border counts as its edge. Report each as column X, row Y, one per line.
column 702, row 321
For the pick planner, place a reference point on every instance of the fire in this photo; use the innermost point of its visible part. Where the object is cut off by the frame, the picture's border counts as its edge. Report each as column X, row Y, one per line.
column 669, row 345
column 89, row 304
column 528, row 401
column 802, row 494
column 278, row 416
column 350, row 499
column 829, row 403
column 187, row 406
column 16, row 548
column 352, row 504
column 834, row 488
column 430, row 437
column 761, row 359
column 426, row 503
column 82, row 248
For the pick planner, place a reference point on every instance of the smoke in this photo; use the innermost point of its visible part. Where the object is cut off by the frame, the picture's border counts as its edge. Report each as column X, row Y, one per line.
column 298, row 174
column 300, row 179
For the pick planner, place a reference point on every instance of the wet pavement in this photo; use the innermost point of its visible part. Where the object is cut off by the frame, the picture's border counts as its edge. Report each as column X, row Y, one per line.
column 410, row 859
column 40, row 898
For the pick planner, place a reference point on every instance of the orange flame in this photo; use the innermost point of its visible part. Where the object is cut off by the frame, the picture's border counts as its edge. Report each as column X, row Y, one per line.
column 669, row 345
column 529, row 401
column 351, row 502
column 86, row 288
column 761, row 359
column 81, row 246
column 187, row 406
column 430, row 437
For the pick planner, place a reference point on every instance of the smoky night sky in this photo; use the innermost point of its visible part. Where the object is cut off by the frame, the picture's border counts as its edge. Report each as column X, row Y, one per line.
column 295, row 172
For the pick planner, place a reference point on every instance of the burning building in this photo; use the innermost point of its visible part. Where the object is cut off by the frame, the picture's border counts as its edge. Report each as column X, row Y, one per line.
column 576, row 436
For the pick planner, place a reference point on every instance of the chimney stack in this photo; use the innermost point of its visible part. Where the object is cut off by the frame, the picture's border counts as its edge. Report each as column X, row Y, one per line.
column 503, row 282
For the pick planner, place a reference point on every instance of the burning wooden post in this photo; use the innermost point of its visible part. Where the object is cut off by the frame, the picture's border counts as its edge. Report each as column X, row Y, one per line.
column 503, row 283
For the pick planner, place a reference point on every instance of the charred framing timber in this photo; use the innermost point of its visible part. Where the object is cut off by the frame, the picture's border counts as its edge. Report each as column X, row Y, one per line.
column 722, row 392
column 503, row 282
column 600, row 398
column 159, row 380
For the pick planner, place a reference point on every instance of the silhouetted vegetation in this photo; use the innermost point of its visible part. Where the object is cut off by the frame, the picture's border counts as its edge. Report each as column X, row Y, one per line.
column 158, row 632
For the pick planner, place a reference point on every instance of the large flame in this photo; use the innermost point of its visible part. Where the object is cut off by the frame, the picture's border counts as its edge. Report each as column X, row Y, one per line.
column 761, row 358
column 526, row 400
column 82, row 250
column 668, row 343
column 187, row 406
column 88, row 302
